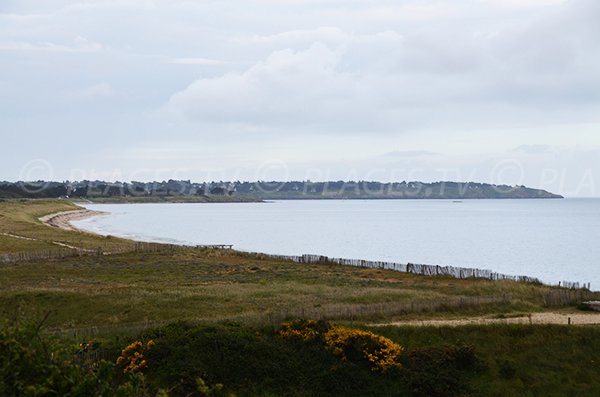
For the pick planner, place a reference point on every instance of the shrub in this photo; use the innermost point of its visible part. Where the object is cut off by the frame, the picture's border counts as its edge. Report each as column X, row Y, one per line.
column 41, row 366
column 305, row 330
column 440, row 371
column 352, row 344
column 132, row 357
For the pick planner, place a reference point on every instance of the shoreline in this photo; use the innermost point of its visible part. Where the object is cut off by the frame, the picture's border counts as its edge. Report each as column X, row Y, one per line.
column 62, row 220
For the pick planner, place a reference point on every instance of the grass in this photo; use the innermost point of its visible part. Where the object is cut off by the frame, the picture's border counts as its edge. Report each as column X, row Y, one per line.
column 232, row 301
column 520, row 360
column 215, row 285
column 12, row 245
column 20, row 217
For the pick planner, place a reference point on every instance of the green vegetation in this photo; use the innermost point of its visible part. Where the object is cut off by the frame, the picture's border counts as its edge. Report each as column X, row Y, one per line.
column 543, row 360
column 208, row 322
column 20, row 218
column 183, row 359
column 155, row 287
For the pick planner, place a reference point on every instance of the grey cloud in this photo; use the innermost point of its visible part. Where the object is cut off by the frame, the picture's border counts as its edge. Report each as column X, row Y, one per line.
column 368, row 76
column 392, row 81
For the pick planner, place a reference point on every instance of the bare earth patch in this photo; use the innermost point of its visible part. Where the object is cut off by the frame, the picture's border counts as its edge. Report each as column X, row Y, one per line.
column 534, row 318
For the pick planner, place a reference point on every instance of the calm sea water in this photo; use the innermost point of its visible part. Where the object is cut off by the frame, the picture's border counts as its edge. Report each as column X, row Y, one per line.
column 553, row 240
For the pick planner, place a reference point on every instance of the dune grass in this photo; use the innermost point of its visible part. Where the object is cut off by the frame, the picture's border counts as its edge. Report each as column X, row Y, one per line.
column 213, row 285
column 21, row 218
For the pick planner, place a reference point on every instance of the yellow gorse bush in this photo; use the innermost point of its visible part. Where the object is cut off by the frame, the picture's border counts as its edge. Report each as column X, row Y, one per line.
column 132, row 357
column 350, row 343
column 302, row 329
column 347, row 343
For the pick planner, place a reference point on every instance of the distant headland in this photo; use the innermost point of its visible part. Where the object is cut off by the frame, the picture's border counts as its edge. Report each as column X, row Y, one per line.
column 236, row 191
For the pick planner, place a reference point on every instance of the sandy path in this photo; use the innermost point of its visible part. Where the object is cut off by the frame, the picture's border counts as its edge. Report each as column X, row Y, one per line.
column 63, row 219
column 536, row 318
column 18, row 237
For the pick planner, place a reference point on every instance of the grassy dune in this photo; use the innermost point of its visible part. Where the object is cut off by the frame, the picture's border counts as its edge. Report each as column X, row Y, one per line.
column 212, row 285
column 20, row 217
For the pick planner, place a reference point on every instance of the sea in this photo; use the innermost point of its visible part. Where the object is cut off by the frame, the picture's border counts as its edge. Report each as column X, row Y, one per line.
column 554, row 240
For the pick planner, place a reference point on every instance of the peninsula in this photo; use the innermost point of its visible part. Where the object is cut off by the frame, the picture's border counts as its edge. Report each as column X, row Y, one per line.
column 187, row 191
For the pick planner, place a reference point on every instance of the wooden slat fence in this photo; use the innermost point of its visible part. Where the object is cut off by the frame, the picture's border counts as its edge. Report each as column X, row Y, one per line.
column 425, row 270
column 413, row 268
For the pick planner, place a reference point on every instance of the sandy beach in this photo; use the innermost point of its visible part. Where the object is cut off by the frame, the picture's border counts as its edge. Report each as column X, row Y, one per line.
column 62, row 220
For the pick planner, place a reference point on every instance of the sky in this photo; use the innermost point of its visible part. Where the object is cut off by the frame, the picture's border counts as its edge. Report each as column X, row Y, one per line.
column 497, row 91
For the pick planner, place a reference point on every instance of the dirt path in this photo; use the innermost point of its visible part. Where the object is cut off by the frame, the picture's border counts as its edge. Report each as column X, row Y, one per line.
column 19, row 237
column 52, row 242
column 63, row 219
column 536, row 318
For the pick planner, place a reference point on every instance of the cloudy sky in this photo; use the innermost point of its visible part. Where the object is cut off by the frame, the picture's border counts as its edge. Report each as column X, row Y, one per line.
column 501, row 91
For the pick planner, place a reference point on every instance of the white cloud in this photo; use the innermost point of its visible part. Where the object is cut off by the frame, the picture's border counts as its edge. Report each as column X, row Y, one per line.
column 333, row 81
column 288, row 87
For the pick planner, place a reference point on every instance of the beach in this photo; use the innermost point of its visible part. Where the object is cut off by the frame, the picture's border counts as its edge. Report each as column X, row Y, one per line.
column 62, row 220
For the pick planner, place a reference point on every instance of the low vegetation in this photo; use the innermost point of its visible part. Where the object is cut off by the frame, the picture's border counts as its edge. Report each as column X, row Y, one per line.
column 154, row 287
column 210, row 322
column 20, row 218
column 185, row 359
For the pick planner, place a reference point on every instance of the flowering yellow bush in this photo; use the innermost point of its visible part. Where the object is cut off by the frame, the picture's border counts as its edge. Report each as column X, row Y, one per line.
column 132, row 357
column 303, row 329
column 355, row 344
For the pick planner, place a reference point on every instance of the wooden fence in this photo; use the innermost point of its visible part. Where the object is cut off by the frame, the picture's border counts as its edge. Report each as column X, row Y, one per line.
column 64, row 252
column 425, row 270
column 38, row 255
column 330, row 312
column 569, row 297
column 420, row 269
column 372, row 311
column 571, row 285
